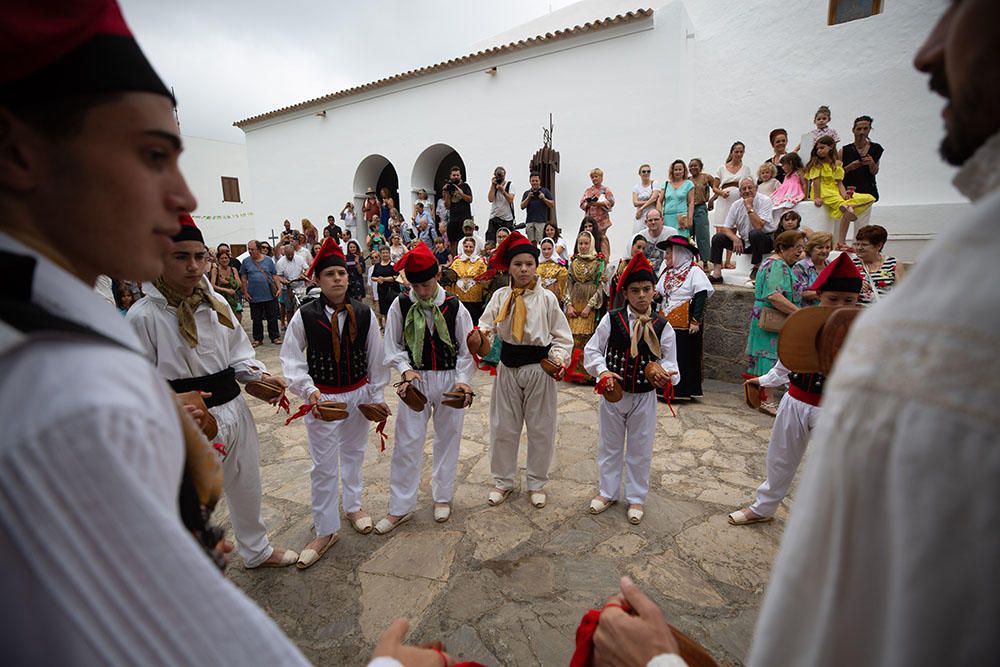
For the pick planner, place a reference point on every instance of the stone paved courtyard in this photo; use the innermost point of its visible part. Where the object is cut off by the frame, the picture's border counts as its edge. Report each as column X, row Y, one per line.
column 508, row 585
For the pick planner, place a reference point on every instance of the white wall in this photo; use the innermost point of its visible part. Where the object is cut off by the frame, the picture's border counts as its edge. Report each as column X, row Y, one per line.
column 632, row 94
column 204, row 162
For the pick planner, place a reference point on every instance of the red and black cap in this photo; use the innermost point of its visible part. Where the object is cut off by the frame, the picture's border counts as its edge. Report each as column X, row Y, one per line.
column 189, row 231
column 57, row 49
column 638, row 268
column 515, row 244
column 420, row 264
column 330, row 254
column 840, row 275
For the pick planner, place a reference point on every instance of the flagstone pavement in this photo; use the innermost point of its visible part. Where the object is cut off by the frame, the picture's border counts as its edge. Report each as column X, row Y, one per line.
column 508, row 585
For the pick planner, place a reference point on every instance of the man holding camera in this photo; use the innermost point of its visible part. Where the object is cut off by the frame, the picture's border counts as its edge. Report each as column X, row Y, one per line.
column 501, row 204
column 538, row 201
column 458, row 199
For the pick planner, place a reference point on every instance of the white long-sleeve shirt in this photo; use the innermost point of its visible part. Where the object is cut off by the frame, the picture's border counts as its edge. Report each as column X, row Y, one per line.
column 296, row 369
column 395, row 349
column 776, row 377
column 890, row 554
column 98, row 569
column 155, row 325
column 545, row 322
column 593, row 353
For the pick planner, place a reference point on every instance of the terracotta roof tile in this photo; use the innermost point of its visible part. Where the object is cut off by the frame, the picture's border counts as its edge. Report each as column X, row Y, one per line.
column 589, row 26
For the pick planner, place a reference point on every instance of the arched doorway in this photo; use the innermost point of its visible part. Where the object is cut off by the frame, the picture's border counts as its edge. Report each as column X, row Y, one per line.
column 375, row 171
column 431, row 169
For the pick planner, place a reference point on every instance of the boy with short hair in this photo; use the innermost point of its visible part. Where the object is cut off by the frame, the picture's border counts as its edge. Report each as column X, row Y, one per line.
column 425, row 341
column 333, row 352
column 532, row 329
column 626, row 340
column 838, row 285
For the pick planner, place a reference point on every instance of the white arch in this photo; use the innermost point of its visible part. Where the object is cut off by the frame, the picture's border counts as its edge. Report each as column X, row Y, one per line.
column 425, row 167
column 367, row 173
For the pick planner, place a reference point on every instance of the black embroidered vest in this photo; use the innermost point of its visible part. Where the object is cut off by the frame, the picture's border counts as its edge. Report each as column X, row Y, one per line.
column 618, row 354
column 323, row 368
column 437, row 356
column 811, row 383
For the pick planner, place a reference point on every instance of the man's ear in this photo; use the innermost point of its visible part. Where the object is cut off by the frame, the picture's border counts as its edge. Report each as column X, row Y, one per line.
column 20, row 154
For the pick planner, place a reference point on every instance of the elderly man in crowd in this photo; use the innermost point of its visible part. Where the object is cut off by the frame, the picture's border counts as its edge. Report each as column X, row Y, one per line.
column 890, row 556
column 259, row 290
column 748, row 225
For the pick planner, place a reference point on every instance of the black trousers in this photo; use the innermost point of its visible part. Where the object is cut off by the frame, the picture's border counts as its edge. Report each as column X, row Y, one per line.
column 760, row 244
column 261, row 310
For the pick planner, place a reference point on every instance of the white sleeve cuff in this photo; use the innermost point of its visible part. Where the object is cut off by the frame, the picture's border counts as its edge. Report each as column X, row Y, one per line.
column 385, row 661
column 663, row 660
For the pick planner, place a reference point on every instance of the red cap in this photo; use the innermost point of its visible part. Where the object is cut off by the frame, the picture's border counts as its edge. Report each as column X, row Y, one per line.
column 54, row 49
column 420, row 264
column 515, row 244
column 189, row 230
column 638, row 268
column 840, row 275
column 330, row 254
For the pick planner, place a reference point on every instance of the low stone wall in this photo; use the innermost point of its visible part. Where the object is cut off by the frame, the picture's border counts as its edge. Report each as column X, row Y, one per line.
column 727, row 320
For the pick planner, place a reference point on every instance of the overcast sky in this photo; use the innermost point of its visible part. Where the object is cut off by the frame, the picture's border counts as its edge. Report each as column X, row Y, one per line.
column 229, row 60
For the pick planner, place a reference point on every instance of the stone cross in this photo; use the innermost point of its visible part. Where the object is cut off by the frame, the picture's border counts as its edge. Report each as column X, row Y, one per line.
column 272, row 237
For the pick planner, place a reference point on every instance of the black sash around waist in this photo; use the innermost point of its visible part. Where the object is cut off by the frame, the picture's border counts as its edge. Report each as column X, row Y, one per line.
column 514, row 356
column 222, row 385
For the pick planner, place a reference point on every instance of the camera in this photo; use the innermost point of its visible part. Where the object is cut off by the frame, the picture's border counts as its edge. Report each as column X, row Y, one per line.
column 591, row 200
column 537, row 194
column 449, row 187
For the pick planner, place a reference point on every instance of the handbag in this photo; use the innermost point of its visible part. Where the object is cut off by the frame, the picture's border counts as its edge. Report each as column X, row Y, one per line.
column 269, row 278
column 771, row 320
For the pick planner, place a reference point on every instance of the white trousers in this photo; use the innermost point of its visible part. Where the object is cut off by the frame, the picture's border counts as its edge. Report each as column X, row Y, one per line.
column 241, row 479
column 338, row 454
column 523, row 396
column 626, row 431
column 789, row 436
column 408, row 445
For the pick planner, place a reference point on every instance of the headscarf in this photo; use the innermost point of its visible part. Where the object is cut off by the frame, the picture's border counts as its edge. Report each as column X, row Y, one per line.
column 681, row 260
column 593, row 251
column 186, row 305
column 552, row 258
column 461, row 251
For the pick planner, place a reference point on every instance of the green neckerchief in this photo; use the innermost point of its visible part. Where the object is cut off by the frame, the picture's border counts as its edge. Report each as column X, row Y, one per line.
column 415, row 326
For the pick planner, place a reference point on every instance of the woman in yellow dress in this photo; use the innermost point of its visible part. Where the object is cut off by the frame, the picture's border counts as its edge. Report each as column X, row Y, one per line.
column 551, row 270
column 584, row 298
column 468, row 268
column 825, row 174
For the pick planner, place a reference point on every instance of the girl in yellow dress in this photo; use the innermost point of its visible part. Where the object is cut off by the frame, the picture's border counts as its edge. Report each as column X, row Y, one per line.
column 468, row 268
column 825, row 174
column 584, row 298
column 551, row 271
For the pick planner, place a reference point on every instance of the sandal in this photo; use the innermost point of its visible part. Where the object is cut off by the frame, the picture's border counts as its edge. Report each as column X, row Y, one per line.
column 309, row 557
column 634, row 515
column 497, row 496
column 538, row 499
column 740, row 518
column 729, row 265
column 362, row 524
column 384, row 526
column 257, row 343
column 598, row 505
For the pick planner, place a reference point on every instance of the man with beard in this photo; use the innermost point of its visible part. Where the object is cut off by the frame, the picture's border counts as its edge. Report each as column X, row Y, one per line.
column 890, row 556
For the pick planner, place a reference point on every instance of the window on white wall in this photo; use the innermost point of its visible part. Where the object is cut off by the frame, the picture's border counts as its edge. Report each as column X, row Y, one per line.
column 842, row 11
column 230, row 189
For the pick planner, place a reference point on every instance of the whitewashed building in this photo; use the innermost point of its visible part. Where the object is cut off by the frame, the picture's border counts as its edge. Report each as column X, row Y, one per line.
column 625, row 85
column 219, row 176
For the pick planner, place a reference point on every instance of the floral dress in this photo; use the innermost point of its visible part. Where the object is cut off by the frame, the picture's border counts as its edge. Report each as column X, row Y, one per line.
column 553, row 275
column 584, row 288
column 762, row 346
column 675, row 205
column 805, row 273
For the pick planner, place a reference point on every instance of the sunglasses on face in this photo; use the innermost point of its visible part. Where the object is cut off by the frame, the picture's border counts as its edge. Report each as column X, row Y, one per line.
column 644, row 171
